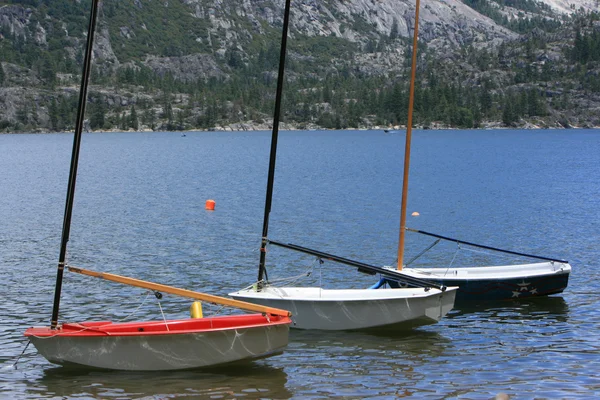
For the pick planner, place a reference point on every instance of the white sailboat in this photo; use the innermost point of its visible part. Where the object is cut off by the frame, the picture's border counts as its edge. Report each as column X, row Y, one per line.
column 343, row 309
column 355, row 309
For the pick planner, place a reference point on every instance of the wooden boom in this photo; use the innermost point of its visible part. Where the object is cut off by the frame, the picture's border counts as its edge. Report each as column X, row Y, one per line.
column 182, row 292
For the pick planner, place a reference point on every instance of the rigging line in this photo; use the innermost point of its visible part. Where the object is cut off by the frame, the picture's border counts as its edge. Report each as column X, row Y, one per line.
column 487, row 253
column 21, row 355
column 138, row 307
column 363, row 267
column 290, row 280
column 458, row 248
column 163, row 314
column 486, row 247
column 218, row 310
column 423, row 252
column 84, row 328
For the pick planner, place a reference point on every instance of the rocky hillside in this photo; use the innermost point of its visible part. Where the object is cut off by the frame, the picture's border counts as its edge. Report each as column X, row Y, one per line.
column 198, row 64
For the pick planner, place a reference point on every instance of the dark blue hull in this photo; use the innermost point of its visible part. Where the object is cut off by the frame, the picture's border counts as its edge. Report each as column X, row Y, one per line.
column 481, row 290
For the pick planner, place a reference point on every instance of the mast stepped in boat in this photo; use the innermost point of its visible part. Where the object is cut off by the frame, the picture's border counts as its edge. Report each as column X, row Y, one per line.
column 411, row 100
column 142, row 346
column 341, row 309
column 85, row 76
column 262, row 271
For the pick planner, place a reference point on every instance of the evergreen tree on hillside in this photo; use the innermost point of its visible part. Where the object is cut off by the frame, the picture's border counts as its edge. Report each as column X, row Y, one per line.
column 124, row 122
column 394, row 30
column 586, row 48
column 133, row 119
column 149, row 118
column 53, row 115
column 97, row 111
column 509, row 114
column 535, row 104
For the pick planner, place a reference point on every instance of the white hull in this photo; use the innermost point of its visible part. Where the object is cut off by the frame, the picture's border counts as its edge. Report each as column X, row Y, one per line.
column 159, row 352
column 354, row 309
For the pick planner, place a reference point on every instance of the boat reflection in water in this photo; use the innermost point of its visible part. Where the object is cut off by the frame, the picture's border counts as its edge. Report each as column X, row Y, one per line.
column 549, row 308
column 243, row 379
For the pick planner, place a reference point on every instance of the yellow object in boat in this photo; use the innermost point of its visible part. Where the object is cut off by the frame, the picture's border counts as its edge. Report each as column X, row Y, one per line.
column 196, row 309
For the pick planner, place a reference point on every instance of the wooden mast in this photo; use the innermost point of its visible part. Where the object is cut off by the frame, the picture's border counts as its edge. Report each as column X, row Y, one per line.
column 85, row 75
column 411, row 99
column 275, row 134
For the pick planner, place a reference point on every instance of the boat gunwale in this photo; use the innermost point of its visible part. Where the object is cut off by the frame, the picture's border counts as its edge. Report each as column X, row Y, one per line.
column 399, row 295
column 111, row 329
column 486, row 273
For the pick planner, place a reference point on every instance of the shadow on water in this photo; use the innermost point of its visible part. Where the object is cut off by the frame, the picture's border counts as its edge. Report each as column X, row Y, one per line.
column 555, row 307
column 250, row 379
column 412, row 342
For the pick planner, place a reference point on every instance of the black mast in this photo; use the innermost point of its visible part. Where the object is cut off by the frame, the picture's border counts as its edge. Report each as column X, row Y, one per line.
column 85, row 75
column 274, row 136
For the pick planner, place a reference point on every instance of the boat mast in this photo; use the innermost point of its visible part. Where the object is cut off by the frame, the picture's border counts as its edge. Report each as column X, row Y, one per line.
column 274, row 136
column 85, row 75
column 411, row 99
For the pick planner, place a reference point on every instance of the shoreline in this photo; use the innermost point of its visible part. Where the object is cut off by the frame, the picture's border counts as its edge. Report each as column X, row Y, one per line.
column 390, row 130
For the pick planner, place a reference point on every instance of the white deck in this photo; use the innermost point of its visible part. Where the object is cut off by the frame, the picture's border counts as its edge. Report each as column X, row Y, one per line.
column 519, row 271
column 325, row 295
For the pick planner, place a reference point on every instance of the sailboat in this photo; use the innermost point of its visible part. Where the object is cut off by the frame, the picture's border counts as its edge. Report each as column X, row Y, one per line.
column 151, row 345
column 342, row 309
column 546, row 277
column 492, row 283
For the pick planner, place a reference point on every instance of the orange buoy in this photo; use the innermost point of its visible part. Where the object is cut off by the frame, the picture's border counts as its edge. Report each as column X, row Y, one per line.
column 210, row 205
column 415, row 214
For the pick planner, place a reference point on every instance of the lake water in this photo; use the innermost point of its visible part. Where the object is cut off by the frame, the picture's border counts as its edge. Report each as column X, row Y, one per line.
column 139, row 211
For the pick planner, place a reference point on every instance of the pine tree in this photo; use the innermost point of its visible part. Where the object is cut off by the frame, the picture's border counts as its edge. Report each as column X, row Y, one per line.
column 149, row 118
column 180, row 121
column 53, row 115
column 326, row 93
column 133, row 119
column 23, row 115
column 394, row 30
column 535, row 106
column 97, row 115
column 509, row 116
column 485, row 99
column 48, row 72
column 124, row 124
column 523, row 106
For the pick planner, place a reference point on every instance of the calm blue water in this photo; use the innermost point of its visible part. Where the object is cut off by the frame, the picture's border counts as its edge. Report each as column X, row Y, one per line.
column 139, row 211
